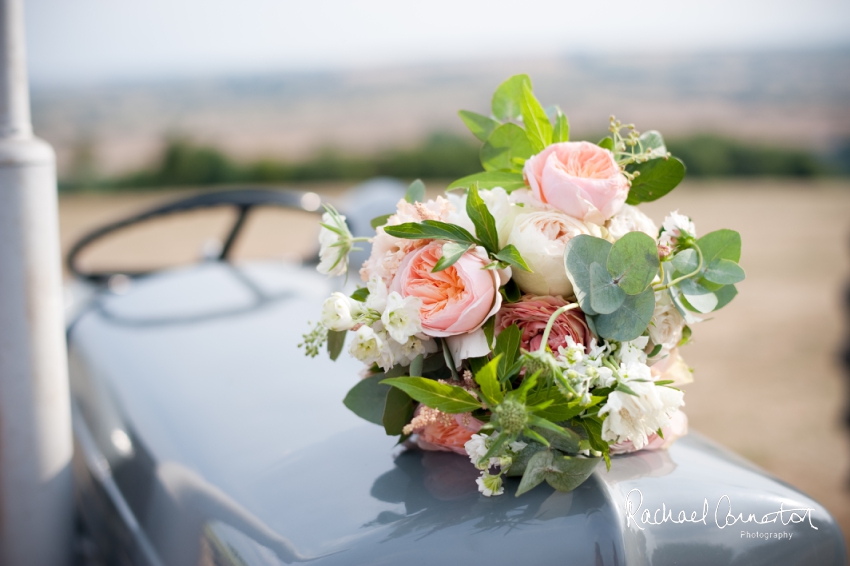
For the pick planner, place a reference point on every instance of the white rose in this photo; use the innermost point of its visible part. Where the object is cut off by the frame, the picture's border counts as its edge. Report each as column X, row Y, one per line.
column 540, row 237
column 667, row 324
column 631, row 219
column 339, row 312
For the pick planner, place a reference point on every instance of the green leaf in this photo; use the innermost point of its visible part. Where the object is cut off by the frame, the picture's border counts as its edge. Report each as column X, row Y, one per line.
column 367, row 398
column 567, row 472
column 485, row 224
column 489, row 329
column 535, row 471
column 558, row 437
column 336, row 341
column 630, row 320
column 506, row 143
column 605, row 295
column 520, row 463
column 724, row 272
column 487, row 380
column 725, row 295
column 360, row 294
column 606, row 143
column 447, row 398
column 415, row 192
column 416, row 365
column 379, row 221
column 696, row 297
column 510, row 291
column 561, row 132
column 656, row 178
column 432, row 230
column 507, row 348
column 491, row 179
column 537, row 125
column 633, row 262
column 398, row 410
column 720, row 244
column 507, row 100
column 593, row 427
column 452, row 251
column 686, row 261
column 579, row 254
column 510, row 255
column 653, row 141
column 480, row 126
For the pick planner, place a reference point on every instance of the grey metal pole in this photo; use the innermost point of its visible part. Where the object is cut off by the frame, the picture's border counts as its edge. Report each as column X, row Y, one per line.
column 36, row 501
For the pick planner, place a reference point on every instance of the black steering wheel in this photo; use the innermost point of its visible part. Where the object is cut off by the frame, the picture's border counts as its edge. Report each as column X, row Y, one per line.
column 244, row 200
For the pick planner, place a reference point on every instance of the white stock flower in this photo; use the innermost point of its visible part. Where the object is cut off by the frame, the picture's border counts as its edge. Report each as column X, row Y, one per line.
column 405, row 353
column 372, row 347
column 635, row 417
column 476, row 447
column 674, row 224
column 490, row 485
column 377, row 299
column 667, row 323
column 517, row 446
column 633, row 351
column 401, row 317
column 335, row 243
column 631, row 219
column 540, row 237
column 339, row 312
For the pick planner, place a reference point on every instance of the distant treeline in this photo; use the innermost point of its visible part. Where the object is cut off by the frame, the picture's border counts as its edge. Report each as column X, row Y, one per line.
column 447, row 156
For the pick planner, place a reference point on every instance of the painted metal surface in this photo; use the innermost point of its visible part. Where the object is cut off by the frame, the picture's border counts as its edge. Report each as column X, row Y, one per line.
column 225, row 445
column 35, row 424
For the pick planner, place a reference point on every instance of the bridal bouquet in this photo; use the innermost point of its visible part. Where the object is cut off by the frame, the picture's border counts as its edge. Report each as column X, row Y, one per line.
column 531, row 318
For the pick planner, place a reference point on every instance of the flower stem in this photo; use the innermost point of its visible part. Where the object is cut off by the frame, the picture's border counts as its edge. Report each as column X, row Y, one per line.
column 545, row 342
column 683, row 277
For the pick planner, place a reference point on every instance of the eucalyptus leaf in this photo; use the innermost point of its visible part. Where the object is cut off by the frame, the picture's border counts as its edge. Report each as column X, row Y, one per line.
column 653, row 141
column 398, row 410
column 725, row 295
column 452, row 251
column 696, row 296
column 415, row 192
column 480, row 126
column 724, row 272
column 569, row 472
column 507, row 143
column 630, row 320
column 537, row 125
column 535, row 471
column 367, row 398
column 432, row 230
column 633, row 262
column 561, row 132
column 655, row 178
column 521, row 460
column 686, row 261
column 507, row 100
column 579, row 253
column 491, row 179
column 720, row 244
column 336, row 341
column 510, row 255
column 447, row 398
column 605, row 295
column 485, row 224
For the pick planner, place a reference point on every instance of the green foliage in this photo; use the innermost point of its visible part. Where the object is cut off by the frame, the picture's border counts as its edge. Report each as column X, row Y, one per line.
column 480, row 126
column 431, row 229
column 561, row 132
column 367, row 398
column 560, row 471
column 398, row 410
column 510, row 255
column 487, row 379
column 490, row 179
column 633, row 262
column 507, row 100
column 415, row 192
column 506, row 149
column 447, row 398
column 605, row 295
column 336, row 341
column 630, row 320
column 507, row 348
column 537, row 125
column 379, row 221
column 580, row 253
column 452, row 251
column 655, row 178
column 485, row 224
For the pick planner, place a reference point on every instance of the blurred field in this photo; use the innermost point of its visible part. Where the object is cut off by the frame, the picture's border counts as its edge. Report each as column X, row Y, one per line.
column 768, row 380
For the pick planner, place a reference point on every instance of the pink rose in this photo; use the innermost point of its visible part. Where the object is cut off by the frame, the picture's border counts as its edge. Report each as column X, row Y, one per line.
column 677, row 428
column 531, row 314
column 449, row 435
column 579, row 178
column 455, row 301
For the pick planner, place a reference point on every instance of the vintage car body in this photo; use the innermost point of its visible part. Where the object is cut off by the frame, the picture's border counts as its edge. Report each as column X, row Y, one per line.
column 205, row 436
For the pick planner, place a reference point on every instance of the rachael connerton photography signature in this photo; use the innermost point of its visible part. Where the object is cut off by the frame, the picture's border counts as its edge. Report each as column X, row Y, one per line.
column 723, row 514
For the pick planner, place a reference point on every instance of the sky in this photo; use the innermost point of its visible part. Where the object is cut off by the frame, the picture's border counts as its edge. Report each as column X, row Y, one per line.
column 82, row 41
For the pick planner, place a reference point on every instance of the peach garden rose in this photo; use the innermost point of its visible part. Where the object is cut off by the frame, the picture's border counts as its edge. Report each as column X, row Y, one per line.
column 578, row 178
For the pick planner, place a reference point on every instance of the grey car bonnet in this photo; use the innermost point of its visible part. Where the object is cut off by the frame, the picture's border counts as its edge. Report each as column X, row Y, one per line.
column 204, row 435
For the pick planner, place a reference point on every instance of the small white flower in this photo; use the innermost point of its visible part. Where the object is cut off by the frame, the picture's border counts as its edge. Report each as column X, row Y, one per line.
column 573, row 353
column 476, row 447
column 377, row 299
column 405, row 353
column 401, row 317
column 517, row 446
column 370, row 347
column 673, row 226
column 335, row 243
column 635, row 417
column 490, row 485
column 635, row 370
column 631, row 219
column 339, row 312
column 633, row 351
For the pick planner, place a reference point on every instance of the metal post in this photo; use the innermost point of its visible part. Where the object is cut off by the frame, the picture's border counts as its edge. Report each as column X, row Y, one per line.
column 36, row 500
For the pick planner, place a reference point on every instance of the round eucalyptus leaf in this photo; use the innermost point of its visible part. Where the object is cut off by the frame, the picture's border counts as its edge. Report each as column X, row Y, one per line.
column 605, row 295
column 633, row 262
column 579, row 253
column 724, row 271
column 630, row 320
